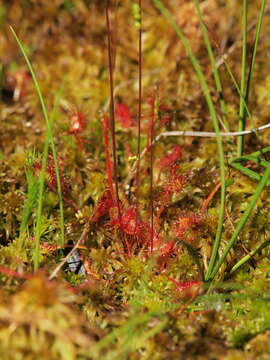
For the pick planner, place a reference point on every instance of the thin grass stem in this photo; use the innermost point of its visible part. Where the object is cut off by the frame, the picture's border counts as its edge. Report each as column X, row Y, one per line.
column 51, row 140
column 249, row 256
column 242, row 112
column 214, row 67
column 236, row 86
column 254, row 52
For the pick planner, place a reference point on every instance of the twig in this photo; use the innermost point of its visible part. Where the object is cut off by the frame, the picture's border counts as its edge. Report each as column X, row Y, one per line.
column 211, row 134
column 79, row 242
column 197, row 134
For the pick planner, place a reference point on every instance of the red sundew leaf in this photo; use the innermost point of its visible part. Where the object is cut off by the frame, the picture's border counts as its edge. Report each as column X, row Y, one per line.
column 12, row 273
column 185, row 223
column 51, row 174
column 175, row 182
column 77, row 121
column 137, row 231
column 124, row 116
column 165, row 251
column 170, row 159
column 183, row 286
column 164, row 111
column 104, row 204
column 167, row 248
column 127, row 221
column 131, row 224
column 77, row 124
column 52, row 180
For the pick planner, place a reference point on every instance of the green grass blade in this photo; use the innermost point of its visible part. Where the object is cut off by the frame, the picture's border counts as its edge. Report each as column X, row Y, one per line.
column 166, row 13
column 249, row 256
column 41, row 190
column 254, row 52
column 51, row 140
column 237, row 88
column 32, row 192
column 242, row 112
column 195, row 256
column 213, row 65
column 241, row 223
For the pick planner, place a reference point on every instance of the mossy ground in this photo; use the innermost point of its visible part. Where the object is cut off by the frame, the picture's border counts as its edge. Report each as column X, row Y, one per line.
column 128, row 308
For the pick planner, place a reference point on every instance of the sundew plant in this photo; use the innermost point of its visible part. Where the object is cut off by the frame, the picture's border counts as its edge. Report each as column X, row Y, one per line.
column 134, row 218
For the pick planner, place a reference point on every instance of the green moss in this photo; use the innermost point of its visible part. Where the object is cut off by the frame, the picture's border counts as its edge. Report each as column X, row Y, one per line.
column 127, row 307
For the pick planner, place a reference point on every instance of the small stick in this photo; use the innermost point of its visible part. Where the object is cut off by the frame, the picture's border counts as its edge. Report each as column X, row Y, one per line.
column 196, row 134
column 211, row 134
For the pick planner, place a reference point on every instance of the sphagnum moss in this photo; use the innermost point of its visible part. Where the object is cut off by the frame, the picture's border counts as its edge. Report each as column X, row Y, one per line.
column 135, row 305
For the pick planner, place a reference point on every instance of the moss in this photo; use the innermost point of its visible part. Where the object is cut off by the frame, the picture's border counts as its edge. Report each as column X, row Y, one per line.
column 127, row 307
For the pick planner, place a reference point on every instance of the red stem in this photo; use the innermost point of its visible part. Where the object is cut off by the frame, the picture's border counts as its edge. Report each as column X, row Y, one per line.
column 112, row 116
column 105, row 123
column 112, row 110
column 139, row 118
column 12, row 273
column 151, row 172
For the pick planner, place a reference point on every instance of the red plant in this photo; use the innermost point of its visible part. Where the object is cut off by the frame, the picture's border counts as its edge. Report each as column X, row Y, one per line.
column 174, row 183
column 52, row 179
column 164, row 114
column 77, row 124
column 188, row 289
column 137, row 231
column 104, row 204
column 185, row 223
column 13, row 273
column 165, row 251
column 105, row 124
column 124, row 116
column 128, row 224
column 170, row 159
column 182, row 286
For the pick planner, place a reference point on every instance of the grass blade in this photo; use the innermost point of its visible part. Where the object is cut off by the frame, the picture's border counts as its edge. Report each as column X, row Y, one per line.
column 51, row 140
column 242, row 112
column 195, row 256
column 245, row 92
column 32, row 191
column 254, row 52
column 249, row 256
column 213, row 65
